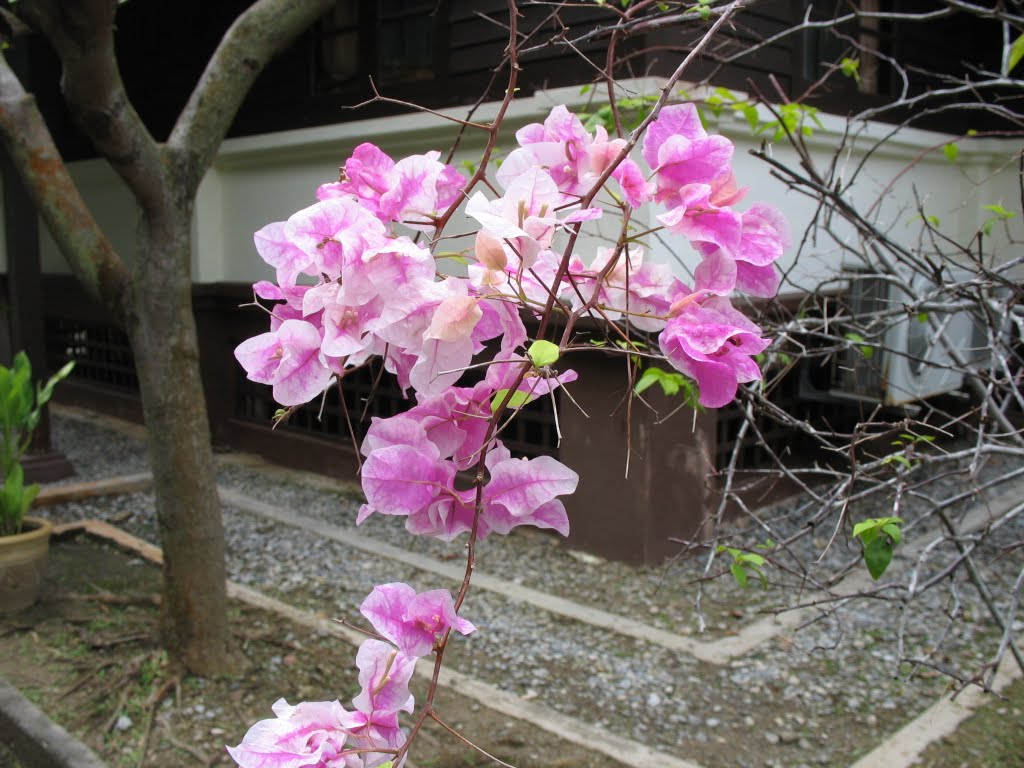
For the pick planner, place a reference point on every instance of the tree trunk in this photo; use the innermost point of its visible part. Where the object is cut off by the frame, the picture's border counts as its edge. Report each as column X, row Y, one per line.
column 162, row 331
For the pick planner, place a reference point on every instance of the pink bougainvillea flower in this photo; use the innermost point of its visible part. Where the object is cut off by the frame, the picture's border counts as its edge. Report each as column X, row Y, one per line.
column 698, row 220
column 446, row 345
column 681, row 153
column 456, row 422
column 413, row 622
column 725, row 191
column 333, row 233
column 292, row 299
column 384, row 675
column 520, row 492
column 365, row 176
column 308, row 735
column 714, row 344
column 716, row 273
column 277, row 250
column 574, row 158
column 490, row 251
column 455, row 318
column 764, row 238
column 524, row 216
column 413, row 197
column 374, row 731
column 522, row 486
column 642, row 290
column 412, row 191
column 635, row 188
column 403, row 480
column 749, row 265
column 447, row 518
column 287, row 358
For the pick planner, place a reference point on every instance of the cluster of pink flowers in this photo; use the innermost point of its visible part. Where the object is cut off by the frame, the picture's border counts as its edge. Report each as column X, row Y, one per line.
column 351, row 286
column 378, row 292
column 323, row 734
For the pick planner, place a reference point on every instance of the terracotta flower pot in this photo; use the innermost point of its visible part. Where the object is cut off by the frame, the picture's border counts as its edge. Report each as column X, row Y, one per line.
column 22, row 564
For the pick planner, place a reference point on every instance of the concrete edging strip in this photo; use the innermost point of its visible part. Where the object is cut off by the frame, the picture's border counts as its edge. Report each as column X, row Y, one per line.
column 37, row 741
column 109, row 486
column 904, row 747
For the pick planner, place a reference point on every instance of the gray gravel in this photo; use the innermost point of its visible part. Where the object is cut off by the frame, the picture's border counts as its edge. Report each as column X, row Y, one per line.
column 803, row 698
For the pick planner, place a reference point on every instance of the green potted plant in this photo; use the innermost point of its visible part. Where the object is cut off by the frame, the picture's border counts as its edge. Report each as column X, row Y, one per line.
column 24, row 541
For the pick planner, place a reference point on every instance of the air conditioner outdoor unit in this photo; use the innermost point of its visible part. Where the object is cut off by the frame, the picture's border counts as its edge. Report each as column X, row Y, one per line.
column 912, row 362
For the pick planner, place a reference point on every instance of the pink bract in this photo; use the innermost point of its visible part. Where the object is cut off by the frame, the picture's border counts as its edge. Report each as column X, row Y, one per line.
column 307, row 735
column 384, row 675
column 413, row 622
column 288, row 359
column 714, row 344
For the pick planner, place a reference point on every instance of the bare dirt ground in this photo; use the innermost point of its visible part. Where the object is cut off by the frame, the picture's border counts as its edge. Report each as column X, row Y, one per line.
column 87, row 655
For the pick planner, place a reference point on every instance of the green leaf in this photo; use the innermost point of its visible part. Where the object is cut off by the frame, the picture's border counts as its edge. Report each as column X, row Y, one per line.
column 543, row 353
column 893, row 532
column 647, row 379
column 999, row 211
column 1016, row 54
column 951, row 151
column 751, row 558
column 898, row 458
column 669, row 381
column 28, row 496
column 519, row 398
column 739, row 574
column 46, row 392
column 877, row 556
column 865, row 350
column 860, row 530
column 922, row 317
column 850, row 68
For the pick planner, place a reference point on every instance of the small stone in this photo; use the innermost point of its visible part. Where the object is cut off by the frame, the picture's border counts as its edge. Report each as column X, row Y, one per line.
column 772, row 738
column 712, row 722
column 788, row 737
column 124, row 723
column 586, row 558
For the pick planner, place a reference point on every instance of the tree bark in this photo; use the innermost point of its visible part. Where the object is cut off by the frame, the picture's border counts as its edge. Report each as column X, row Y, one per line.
column 162, row 331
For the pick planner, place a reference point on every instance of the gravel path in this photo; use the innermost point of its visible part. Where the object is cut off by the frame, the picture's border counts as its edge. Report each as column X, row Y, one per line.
column 805, row 698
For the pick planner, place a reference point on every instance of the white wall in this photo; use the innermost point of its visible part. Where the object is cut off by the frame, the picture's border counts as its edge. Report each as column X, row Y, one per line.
column 259, row 179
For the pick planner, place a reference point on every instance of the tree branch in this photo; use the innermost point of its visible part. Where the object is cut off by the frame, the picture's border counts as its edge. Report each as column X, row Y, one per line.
column 82, row 34
column 252, row 41
column 31, row 149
